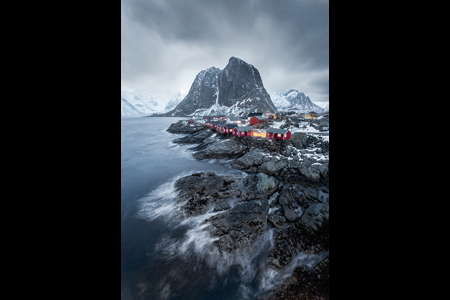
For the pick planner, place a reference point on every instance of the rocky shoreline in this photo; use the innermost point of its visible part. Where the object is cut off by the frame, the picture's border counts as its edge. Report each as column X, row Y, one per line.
column 286, row 188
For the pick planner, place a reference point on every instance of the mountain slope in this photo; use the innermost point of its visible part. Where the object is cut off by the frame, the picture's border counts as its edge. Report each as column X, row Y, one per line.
column 147, row 102
column 128, row 110
column 294, row 100
column 237, row 89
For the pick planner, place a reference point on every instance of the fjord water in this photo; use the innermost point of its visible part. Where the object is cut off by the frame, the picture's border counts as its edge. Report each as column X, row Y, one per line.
column 150, row 163
column 163, row 254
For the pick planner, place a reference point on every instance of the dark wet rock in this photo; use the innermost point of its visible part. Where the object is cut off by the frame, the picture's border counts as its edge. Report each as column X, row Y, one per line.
column 266, row 184
column 297, row 238
column 308, row 211
column 277, row 220
column 194, row 138
column 273, row 145
column 222, row 206
column 272, row 166
column 252, row 158
column 239, row 227
column 292, row 196
column 323, row 196
column 298, row 139
column 258, row 186
column 292, row 169
column 222, row 149
column 202, row 190
column 304, row 283
column 182, row 127
column 286, row 244
column 315, row 214
column 311, row 172
column 289, row 214
column 204, row 144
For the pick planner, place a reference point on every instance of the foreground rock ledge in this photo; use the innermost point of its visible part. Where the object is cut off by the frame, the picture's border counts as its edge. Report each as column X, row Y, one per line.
column 244, row 204
column 294, row 173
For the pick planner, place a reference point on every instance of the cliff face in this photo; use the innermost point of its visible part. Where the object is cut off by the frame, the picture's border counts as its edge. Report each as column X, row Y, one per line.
column 241, row 82
column 202, row 94
column 235, row 90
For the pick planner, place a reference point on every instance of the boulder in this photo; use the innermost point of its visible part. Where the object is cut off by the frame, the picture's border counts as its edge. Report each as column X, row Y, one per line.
column 298, row 139
column 272, row 166
column 252, row 158
column 315, row 214
column 290, row 195
column 289, row 213
column 310, row 173
column 267, row 185
column 258, row 186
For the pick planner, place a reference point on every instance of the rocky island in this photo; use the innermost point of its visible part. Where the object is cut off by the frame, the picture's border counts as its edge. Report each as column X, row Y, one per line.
column 286, row 188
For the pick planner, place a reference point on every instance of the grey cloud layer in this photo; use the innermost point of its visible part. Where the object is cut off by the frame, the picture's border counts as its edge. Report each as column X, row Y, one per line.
column 180, row 37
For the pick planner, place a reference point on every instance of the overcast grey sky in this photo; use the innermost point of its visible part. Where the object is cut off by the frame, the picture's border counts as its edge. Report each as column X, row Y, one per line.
column 165, row 43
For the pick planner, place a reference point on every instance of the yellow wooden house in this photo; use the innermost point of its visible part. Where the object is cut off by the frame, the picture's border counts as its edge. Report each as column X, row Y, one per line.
column 310, row 116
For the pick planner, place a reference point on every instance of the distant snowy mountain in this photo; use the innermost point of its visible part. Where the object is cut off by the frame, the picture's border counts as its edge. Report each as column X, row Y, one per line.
column 174, row 100
column 293, row 100
column 127, row 109
column 146, row 102
column 326, row 109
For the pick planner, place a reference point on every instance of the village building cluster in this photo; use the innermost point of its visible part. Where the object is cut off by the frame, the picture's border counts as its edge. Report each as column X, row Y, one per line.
column 257, row 124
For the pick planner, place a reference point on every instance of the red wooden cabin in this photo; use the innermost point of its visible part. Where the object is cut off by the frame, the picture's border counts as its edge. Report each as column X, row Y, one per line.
column 220, row 128
column 250, row 115
column 228, row 128
column 243, row 131
column 256, row 120
column 275, row 133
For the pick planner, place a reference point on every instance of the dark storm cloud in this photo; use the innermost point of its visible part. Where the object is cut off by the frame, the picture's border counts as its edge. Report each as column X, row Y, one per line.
column 280, row 37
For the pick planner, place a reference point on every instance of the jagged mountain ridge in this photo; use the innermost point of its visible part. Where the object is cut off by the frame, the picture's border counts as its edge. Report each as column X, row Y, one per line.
column 147, row 102
column 235, row 90
column 294, row 100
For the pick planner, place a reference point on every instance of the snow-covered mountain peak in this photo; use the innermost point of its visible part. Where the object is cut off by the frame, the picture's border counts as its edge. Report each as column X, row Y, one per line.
column 145, row 102
column 293, row 100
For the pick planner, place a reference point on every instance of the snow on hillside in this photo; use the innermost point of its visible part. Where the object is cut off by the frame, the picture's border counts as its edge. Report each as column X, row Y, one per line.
column 238, row 109
column 308, row 129
column 293, row 100
column 146, row 102
column 128, row 110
